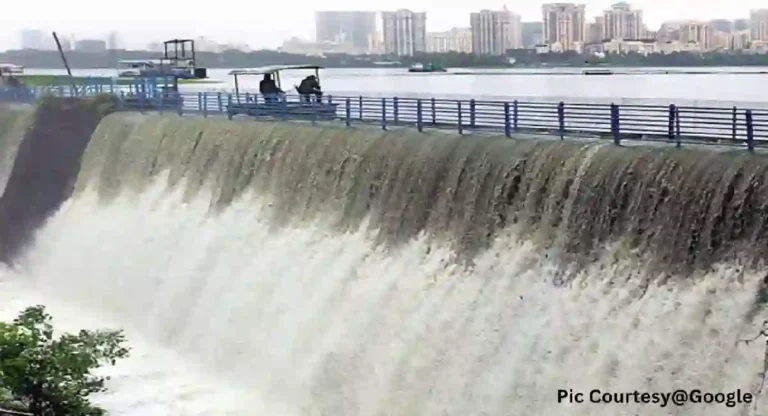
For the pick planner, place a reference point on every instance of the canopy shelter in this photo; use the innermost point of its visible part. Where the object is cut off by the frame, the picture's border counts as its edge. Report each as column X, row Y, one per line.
column 179, row 49
column 271, row 70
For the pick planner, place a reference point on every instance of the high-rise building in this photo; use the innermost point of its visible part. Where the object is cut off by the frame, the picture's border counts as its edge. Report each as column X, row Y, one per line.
column 564, row 26
column 33, row 39
column 721, row 25
column 114, row 41
column 596, row 30
column 354, row 28
column 698, row 32
column 758, row 24
column 532, row 34
column 622, row 22
column 740, row 24
column 458, row 39
column 493, row 32
column 669, row 31
column 405, row 32
column 91, row 45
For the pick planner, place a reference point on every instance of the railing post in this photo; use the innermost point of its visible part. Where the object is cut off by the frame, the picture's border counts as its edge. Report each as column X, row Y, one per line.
column 507, row 127
column 677, row 126
column 514, row 117
column 458, row 111
column 615, row 126
column 162, row 104
column 121, row 101
column 180, row 101
column 434, row 113
column 314, row 110
column 750, row 131
column 561, row 119
column 383, row 113
column 221, row 104
column 199, row 101
column 205, row 104
column 229, row 106
column 348, row 111
column 671, row 130
column 472, row 113
column 396, row 110
column 360, row 107
column 330, row 99
column 247, row 97
column 418, row 115
column 734, row 124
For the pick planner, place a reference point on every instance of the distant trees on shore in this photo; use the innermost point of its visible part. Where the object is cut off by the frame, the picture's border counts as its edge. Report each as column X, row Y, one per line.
column 522, row 58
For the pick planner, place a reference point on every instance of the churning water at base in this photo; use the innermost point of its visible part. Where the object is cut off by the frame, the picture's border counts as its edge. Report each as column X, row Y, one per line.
column 153, row 381
column 311, row 321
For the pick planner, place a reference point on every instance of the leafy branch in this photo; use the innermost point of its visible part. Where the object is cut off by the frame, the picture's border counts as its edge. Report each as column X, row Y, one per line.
column 49, row 376
column 763, row 333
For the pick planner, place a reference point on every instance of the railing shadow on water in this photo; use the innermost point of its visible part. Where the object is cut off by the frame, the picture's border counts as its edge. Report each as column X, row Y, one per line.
column 729, row 126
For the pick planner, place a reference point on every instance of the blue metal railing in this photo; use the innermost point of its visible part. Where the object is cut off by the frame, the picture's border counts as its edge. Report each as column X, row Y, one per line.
column 674, row 124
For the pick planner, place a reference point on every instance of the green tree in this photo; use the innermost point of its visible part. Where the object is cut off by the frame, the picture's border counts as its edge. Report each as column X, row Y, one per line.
column 48, row 376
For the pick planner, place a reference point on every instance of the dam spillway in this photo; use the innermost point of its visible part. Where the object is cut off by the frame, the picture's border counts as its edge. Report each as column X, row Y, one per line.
column 333, row 271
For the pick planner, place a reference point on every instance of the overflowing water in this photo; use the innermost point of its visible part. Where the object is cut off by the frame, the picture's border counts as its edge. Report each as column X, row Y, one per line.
column 286, row 270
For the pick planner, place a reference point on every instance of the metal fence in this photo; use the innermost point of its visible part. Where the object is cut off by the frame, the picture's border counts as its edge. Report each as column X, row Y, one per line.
column 675, row 124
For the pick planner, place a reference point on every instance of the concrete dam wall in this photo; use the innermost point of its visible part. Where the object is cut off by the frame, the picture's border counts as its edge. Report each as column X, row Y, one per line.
column 342, row 271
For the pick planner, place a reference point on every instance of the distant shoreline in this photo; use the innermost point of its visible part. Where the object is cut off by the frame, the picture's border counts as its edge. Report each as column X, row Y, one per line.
column 523, row 59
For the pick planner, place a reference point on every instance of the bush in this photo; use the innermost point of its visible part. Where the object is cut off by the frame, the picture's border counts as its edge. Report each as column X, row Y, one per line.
column 52, row 377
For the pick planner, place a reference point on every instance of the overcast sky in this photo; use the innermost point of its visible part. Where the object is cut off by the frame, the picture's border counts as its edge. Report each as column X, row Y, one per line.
column 265, row 23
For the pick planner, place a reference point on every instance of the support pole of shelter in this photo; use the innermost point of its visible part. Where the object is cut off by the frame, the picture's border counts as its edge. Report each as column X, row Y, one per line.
column 66, row 65
column 237, row 90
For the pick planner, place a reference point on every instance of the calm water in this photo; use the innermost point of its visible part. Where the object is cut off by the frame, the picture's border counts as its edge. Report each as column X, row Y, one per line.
column 723, row 86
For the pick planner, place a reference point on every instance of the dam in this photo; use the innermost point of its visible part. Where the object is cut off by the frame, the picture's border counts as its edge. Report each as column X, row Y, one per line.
column 284, row 269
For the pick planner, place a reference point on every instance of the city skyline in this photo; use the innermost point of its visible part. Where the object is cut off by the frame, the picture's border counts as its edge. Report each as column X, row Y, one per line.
column 265, row 30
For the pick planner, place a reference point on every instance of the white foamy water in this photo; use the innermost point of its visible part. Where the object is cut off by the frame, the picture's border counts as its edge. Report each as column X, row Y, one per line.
column 231, row 315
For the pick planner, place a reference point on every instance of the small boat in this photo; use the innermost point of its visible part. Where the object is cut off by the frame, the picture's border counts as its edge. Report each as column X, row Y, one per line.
column 180, row 64
column 281, row 106
column 597, row 72
column 426, row 68
column 137, row 67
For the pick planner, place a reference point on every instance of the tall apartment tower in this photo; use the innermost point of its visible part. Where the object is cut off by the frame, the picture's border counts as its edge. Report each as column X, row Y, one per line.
column 699, row 32
column 32, row 39
column 405, row 32
column 354, row 28
column 758, row 24
column 621, row 22
column 564, row 25
column 493, row 32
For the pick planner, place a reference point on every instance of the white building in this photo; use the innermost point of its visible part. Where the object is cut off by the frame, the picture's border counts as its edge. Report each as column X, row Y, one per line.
column 405, row 32
column 454, row 40
column 564, row 26
column 621, row 22
column 493, row 32
column 758, row 24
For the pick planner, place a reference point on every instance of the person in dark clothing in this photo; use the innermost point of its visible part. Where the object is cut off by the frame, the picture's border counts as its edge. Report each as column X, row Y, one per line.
column 12, row 81
column 309, row 86
column 269, row 88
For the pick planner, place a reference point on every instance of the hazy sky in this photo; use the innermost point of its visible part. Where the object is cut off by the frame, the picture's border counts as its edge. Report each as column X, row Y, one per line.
column 264, row 23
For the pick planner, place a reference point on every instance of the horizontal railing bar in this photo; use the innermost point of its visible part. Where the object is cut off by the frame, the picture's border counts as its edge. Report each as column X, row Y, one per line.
column 667, row 123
